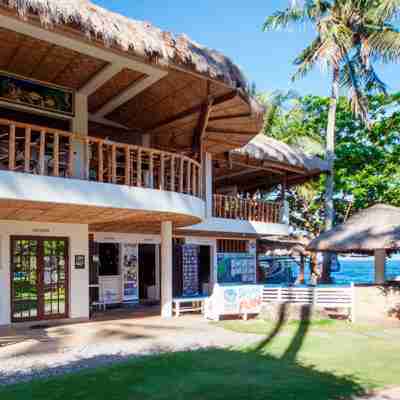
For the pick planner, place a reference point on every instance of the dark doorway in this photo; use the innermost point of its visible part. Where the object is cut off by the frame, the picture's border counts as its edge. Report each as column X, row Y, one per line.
column 147, row 270
column 109, row 259
column 204, row 268
column 39, row 278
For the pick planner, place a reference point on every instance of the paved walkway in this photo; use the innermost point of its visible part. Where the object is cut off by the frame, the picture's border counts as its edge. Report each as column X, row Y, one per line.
column 388, row 394
column 27, row 353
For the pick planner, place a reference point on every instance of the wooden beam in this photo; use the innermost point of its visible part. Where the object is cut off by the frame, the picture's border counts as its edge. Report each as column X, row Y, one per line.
column 236, row 174
column 200, row 130
column 230, row 131
column 107, row 122
column 193, row 110
column 232, row 116
column 224, row 142
column 99, row 79
column 266, row 164
column 132, row 91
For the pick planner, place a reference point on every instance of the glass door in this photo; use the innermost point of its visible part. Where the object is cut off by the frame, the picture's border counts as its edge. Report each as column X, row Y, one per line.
column 39, row 278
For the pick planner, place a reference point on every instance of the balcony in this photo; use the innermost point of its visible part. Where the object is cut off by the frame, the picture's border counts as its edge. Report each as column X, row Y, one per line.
column 48, row 152
column 61, row 167
column 244, row 217
column 246, row 209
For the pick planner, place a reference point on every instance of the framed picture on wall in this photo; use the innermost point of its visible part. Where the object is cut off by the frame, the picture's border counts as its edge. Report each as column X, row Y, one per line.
column 79, row 261
column 35, row 94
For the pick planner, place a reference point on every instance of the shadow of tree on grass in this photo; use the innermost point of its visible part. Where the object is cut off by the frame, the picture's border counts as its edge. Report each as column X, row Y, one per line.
column 199, row 374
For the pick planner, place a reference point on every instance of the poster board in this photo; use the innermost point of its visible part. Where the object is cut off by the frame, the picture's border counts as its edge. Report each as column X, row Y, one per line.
column 231, row 299
column 190, row 270
column 236, row 268
column 130, row 272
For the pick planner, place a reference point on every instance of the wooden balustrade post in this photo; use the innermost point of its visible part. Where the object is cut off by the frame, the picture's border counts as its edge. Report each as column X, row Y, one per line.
column 139, row 168
column 86, row 147
column 127, row 165
column 11, row 148
column 113, row 163
column 188, row 178
column 42, row 148
column 70, row 157
column 100, row 170
column 56, row 155
column 27, row 161
column 172, row 173
column 181, row 166
column 151, row 170
column 194, row 180
column 162, row 172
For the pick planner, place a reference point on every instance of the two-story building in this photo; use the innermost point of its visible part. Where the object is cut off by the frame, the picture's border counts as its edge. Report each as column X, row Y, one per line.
column 119, row 177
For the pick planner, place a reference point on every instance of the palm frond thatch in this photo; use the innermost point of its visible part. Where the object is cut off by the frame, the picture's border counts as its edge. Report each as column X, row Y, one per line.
column 137, row 37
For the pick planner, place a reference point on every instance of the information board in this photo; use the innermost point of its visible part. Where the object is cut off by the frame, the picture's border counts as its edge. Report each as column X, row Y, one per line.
column 236, row 267
column 130, row 273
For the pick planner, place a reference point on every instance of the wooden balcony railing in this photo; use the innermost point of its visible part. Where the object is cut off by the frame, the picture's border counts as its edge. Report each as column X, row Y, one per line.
column 244, row 209
column 44, row 151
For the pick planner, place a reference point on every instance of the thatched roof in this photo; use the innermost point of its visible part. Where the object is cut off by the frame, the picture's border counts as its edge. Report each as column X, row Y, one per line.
column 266, row 148
column 377, row 227
column 137, row 37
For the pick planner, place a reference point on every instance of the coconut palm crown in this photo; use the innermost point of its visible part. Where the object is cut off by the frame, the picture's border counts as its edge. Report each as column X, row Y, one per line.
column 350, row 36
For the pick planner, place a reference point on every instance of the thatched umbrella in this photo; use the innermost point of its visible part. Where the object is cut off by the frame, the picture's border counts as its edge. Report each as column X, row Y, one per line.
column 375, row 230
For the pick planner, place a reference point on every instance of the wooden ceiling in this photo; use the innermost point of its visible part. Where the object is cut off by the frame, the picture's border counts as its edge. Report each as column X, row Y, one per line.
column 33, row 58
column 170, row 110
column 98, row 218
column 248, row 174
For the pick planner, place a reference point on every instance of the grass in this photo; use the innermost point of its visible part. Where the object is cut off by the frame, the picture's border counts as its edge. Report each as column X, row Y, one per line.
column 324, row 360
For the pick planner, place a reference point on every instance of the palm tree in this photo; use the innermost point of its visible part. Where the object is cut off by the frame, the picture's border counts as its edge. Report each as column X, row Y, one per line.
column 350, row 36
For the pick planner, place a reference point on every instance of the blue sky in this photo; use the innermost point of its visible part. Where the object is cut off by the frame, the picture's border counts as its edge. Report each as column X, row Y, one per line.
column 234, row 27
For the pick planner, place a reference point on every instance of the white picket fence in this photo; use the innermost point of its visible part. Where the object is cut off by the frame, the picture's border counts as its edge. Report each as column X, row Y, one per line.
column 319, row 296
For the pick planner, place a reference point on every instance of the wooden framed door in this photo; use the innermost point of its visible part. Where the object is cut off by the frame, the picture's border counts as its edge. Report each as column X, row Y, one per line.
column 39, row 278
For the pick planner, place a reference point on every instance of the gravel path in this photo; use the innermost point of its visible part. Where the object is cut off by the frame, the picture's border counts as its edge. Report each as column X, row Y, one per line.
column 68, row 348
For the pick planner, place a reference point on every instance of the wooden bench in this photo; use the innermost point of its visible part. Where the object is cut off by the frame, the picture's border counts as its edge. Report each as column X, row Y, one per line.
column 188, row 304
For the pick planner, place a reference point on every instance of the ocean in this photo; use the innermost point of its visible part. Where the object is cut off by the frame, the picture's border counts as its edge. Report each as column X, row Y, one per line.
column 350, row 269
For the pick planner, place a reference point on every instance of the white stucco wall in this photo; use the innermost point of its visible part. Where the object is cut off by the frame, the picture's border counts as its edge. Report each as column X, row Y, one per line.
column 79, row 278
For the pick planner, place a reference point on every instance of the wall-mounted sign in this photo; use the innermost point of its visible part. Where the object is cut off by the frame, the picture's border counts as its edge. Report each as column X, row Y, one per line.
column 79, row 262
column 236, row 268
column 30, row 93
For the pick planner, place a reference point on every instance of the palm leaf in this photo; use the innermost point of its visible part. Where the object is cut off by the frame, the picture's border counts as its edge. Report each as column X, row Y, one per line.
column 386, row 45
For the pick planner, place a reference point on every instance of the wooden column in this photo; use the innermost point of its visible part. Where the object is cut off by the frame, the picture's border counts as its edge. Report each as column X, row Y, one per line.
column 166, row 269
column 380, row 266
column 207, row 185
column 80, row 126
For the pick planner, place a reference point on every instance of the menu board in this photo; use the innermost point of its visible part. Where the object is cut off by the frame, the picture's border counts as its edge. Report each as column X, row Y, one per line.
column 236, row 267
column 190, row 270
column 130, row 273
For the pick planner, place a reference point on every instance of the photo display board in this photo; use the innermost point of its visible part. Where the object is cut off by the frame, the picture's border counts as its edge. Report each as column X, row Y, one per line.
column 130, row 273
column 190, row 270
column 31, row 93
column 236, row 268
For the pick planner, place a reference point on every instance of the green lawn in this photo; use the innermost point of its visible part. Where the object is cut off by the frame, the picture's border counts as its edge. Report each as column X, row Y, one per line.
column 321, row 361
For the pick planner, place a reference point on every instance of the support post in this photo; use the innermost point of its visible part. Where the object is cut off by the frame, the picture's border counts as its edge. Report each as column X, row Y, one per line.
column 380, row 266
column 80, row 126
column 166, row 269
column 207, row 183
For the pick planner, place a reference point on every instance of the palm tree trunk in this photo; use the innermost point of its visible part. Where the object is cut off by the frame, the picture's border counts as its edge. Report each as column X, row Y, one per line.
column 330, row 158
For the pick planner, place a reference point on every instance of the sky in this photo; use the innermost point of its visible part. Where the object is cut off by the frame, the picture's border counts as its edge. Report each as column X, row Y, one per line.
column 235, row 28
